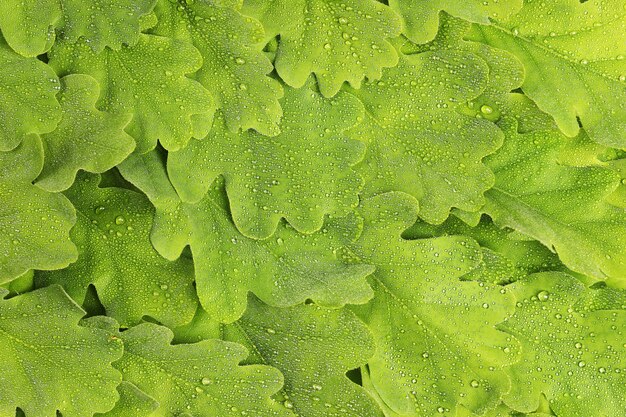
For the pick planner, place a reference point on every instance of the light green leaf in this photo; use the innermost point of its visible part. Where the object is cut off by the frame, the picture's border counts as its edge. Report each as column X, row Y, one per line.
column 116, row 256
column 563, row 207
column 573, row 55
column 420, row 18
column 437, row 345
column 148, row 81
column 102, row 23
column 283, row 270
column 28, row 25
column 311, row 345
column 28, row 88
column 335, row 40
column 44, row 356
column 575, row 358
column 505, row 259
column 22, row 205
column 133, row 402
column 200, row 379
column 234, row 68
column 417, row 140
column 300, row 175
column 85, row 138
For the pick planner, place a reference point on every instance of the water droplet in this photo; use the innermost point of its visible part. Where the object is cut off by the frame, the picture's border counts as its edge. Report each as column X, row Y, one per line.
column 602, row 370
column 99, row 210
column 582, row 364
column 474, row 383
column 543, row 295
column 120, row 220
column 327, row 46
column 425, row 355
column 288, row 404
column 270, row 330
column 485, row 305
column 486, row 109
column 206, row 381
column 317, row 387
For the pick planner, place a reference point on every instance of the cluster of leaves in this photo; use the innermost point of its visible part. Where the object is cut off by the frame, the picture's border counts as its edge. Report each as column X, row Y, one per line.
column 314, row 208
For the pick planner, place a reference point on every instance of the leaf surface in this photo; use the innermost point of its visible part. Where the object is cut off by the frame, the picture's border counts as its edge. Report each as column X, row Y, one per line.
column 234, row 68
column 324, row 343
column 148, row 81
column 116, row 256
column 563, row 207
column 420, row 18
column 418, row 142
column 44, row 353
column 199, row 379
column 573, row 53
column 283, row 270
column 22, row 205
column 28, row 25
column 28, row 88
column 335, row 40
column 132, row 402
column 86, row 138
column 576, row 358
column 301, row 175
column 437, row 344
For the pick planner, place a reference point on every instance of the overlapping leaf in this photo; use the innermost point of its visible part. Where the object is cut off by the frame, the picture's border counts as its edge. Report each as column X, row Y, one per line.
column 85, row 138
column 51, row 363
column 200, row 379
column 324, row 343
column 234, row 69
column 29, row 25
column 23, row 205
column 28, row 88
column 283, row 270
column 563, row 207
column 335, row 40
column 116, row 256
column 420, row 18
column 132, row 402
column 573, row 69
column 418, row 142
column 148, row 81
column 504, row 258
column 575, row 358
column 437, row 345
column 302, row 174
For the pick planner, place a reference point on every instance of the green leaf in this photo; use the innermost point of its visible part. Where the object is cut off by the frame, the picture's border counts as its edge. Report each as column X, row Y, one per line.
column 561, row 206
column 234, row 68
column 324, row 343
column 335, row 40
column 420, row 18
column 283, row 270
column 103, row 23
column 86, row 138
column 132, row 402
column 148, row 81
column 200, row 379
column 418, row 142
column 505, row 259
column 437, row 345
column 28, row 88
column 575, row 358
column 301, row 175
column 572, row 52
column 45, row 353
column 28, row 25
column 23, row 205
column 116, row 256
